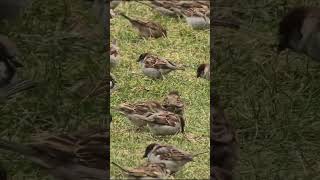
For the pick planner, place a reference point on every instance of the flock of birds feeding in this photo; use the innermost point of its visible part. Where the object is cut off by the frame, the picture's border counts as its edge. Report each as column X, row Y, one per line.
column 167, row 117
column 81, row 155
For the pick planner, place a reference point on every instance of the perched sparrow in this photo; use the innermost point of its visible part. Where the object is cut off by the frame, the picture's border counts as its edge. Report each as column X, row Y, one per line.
column 147, row 171
column 173, row 103
column 79, row 156
column 9, row 83
column 173, row 158
column 156, row 67
column 223, row 138
column 146, row 28
column 114, row 54
column 204, row 71
column 165, row 123
column 139, row 111
column 299, row 31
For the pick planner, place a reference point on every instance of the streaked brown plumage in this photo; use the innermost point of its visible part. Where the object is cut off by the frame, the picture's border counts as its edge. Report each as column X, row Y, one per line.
column 138, row 112
column 173, row 103
column 172, row 157
column 156, row 67
column 147, row 29
column 147, row 171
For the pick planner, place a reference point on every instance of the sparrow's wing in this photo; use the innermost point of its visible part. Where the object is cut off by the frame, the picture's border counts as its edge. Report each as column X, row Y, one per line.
column 171, row 153
column 165, row 118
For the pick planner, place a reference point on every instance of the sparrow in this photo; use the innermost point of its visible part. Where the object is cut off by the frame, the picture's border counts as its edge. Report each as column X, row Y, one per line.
column 147, row 29
column 114, row 54
column 147, row 171
column 203, row 71
column 81, row 155
column 165, row 123
column 139, row 111
column 299, row 31
column 173, row 103
column 156, row 67
column 196, row 13
column 223, row 137
column 173, row 158
column 9, row 82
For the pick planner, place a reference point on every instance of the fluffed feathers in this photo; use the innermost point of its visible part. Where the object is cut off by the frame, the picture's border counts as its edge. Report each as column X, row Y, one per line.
column 173, row 158
column 156, row 67
column 165, row 123
column 147, row 29
column 173, row 103
column 139, row 111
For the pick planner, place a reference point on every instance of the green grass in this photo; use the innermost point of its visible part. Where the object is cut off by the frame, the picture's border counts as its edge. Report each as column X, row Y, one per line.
column 184, row 46
column 274, row 103
column 52, row 57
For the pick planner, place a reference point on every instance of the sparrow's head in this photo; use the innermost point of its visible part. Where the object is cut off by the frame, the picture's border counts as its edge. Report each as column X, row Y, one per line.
column 149, row 148
column 173, row 102
column 200, row 70
column 290, row 27
column 142, row 56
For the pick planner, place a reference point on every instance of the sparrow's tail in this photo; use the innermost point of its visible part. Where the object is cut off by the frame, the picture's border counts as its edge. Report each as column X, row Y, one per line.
column 123, row 169
column 20, row 86
column 180, row 67
column 195, row 155
column 125, row 16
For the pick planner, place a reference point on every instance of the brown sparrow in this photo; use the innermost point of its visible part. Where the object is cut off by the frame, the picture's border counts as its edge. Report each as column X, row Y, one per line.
column 173, row 158
column 147, row 171
column 299, row 31
column 156, row 67
column 196, row 13
column 138, row 112
column 173, row 103
column 147, row 29
column 203, row 71
column 79, row 156
column 165, row 123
